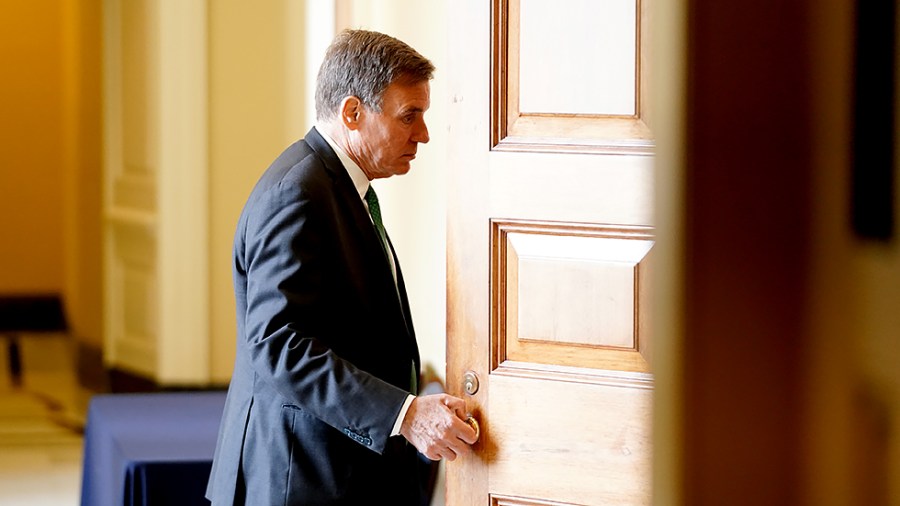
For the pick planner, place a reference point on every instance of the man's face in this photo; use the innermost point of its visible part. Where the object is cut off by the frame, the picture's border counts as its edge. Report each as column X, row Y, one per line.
column 384, row 143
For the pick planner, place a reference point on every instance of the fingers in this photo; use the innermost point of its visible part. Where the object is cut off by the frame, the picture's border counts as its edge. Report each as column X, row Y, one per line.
column 450, row 447
column 467, row 434
column 447, row 452
column 436, row 426
column 448, row 442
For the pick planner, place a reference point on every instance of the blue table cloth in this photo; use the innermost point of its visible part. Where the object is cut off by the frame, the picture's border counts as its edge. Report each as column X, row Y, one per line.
column 150, row 449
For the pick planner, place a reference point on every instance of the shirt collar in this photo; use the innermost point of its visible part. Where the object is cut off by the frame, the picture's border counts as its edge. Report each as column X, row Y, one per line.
column 360, row 181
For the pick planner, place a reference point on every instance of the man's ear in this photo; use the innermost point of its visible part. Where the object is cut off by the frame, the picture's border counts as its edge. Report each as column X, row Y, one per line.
column 351, row 108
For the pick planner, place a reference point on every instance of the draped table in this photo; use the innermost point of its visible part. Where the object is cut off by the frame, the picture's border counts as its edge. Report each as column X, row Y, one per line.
column 150, row 449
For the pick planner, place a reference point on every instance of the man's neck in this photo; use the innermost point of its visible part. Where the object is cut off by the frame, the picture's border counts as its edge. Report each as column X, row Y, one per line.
column 335, row 131
column 340, row 137
column 357, row 175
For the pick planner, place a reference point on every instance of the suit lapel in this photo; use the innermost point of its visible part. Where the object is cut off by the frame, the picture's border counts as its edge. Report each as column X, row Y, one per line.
column 346, row 192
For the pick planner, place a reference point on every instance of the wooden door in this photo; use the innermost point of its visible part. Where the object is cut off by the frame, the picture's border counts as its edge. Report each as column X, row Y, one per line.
column 549, row 245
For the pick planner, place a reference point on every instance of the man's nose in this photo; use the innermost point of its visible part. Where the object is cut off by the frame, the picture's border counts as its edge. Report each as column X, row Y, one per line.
column 420, row 133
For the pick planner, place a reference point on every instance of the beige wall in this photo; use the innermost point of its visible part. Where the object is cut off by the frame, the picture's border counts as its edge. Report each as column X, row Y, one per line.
column 50, row 156
column 82, row 167
column 31, row 129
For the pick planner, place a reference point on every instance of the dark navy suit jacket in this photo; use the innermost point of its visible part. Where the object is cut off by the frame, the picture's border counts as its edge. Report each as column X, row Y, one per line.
column 324, row 347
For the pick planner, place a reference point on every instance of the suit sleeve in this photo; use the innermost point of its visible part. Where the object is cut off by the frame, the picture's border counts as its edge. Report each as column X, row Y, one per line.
column 285, row 286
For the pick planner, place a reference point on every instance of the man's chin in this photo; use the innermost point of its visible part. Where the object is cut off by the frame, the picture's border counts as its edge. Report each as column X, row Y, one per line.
column 396, row 170
column 401, row 169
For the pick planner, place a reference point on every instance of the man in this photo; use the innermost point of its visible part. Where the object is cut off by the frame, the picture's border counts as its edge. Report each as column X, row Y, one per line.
column 319, row 409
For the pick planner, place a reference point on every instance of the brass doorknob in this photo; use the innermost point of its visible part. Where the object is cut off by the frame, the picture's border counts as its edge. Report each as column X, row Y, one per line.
column 474, row 424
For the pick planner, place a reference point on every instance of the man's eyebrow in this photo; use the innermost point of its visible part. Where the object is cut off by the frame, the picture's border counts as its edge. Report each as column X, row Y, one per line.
column 409, row 109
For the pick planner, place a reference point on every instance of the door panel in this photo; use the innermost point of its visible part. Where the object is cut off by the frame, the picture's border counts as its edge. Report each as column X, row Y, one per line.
column 571, row 296
column 540, row 451
column 570, row 80
column 155, row 179
column 548, row 79
column 550, row 244
column 131, row 177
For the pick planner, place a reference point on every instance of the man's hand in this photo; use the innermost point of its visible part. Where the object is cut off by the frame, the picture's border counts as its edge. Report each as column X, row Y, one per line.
column 435, row 425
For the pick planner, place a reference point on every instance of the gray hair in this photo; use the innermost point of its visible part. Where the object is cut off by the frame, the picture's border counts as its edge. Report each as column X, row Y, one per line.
column 362, row 64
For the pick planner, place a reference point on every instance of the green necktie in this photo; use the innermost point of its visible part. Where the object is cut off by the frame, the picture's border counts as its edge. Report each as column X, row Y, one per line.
column 375, row 211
